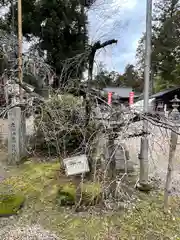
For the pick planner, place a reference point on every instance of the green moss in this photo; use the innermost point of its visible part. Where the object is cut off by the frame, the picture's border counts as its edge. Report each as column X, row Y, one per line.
column 33, row 179
column 146, row 221
column 10, row 204
column 90, row 194
column 66, row 194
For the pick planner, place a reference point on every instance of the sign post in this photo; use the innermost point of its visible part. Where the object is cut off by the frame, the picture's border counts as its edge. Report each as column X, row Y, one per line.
column 131, row 98
column 76, row 165
column 109, row 98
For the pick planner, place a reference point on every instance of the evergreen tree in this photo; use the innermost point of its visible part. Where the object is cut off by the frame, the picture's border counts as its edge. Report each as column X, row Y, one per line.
column 61, row 29
column 104, row 78
column 165, row 43
column 130, row 78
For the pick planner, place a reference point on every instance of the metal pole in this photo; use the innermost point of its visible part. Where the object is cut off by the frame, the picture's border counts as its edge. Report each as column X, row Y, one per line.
column 20, row 73
column 144, row 165
column 151, row 81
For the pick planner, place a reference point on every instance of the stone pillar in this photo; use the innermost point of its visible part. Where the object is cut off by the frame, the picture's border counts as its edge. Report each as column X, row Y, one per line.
column 16, row 135
column 23, row 135
column 14, row 120
column 160, row 108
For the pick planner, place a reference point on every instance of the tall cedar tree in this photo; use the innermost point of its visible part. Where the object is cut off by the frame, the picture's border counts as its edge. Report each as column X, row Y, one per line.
column 165, row 43
column 61, row 28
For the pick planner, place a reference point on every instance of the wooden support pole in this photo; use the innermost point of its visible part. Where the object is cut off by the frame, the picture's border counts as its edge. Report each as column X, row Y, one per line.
column 175, row 117
column 172, row 151
column 20, row 72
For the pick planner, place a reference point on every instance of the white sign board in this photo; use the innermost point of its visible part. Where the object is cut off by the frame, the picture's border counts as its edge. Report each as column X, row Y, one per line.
column 76, row 165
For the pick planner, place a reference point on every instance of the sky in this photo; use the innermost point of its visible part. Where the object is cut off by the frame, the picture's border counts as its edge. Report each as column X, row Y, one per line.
column 123, row 20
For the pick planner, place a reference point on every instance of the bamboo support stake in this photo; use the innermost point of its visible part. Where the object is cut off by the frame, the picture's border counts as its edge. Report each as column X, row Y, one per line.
column 175, row 117
column 172, row 150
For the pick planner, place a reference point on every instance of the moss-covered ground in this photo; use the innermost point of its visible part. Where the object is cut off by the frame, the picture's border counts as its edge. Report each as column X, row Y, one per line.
column 40, row 183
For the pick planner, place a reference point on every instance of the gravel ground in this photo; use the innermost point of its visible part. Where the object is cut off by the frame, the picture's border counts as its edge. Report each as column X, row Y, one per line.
column 34, row 232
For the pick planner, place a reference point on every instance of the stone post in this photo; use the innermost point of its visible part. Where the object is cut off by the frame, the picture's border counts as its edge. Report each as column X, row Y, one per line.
column 16, row 135
column 175, row 119
column 23, row 135
column 160, row 108
column 14, row 120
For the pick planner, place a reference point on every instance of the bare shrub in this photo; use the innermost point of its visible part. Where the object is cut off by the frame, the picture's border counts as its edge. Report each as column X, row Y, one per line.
column 60, row 126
